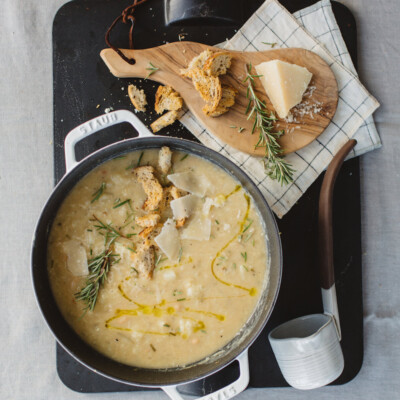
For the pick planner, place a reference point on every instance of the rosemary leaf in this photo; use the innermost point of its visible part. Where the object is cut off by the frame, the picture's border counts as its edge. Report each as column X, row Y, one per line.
column 121, row 203
column 247, row 226
column 275, row 166
column 152, row 69
column 96, row 195
column 140, row 159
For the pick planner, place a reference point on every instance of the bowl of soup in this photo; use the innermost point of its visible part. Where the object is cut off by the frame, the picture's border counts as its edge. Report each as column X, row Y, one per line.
column 156, row 261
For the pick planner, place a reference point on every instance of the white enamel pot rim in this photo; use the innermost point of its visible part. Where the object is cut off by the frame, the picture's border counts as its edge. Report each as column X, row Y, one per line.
column 166, row 379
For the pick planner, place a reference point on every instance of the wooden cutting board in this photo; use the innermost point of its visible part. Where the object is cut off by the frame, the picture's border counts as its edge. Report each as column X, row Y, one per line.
column 170, row 58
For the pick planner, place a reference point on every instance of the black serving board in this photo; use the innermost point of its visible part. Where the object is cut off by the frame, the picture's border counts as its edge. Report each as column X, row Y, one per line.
column 84, row 88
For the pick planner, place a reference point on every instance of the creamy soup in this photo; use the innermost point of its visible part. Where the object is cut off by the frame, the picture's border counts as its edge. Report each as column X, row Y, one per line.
column 157, row 262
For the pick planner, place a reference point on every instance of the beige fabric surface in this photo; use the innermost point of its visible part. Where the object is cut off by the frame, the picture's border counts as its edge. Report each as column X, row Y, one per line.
column 27, row 351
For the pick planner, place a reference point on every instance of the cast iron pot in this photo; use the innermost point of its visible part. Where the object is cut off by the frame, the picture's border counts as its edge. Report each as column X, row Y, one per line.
column 166, row 379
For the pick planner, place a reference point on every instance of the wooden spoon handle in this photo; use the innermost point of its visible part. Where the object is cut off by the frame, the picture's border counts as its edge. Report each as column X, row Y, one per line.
column 325, row 236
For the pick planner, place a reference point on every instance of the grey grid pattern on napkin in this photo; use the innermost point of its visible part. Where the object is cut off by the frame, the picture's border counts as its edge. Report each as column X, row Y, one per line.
column 314, row 29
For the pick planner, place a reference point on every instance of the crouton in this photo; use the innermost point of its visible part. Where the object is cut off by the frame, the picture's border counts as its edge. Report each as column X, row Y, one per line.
column 227, row 100
column 167, row 119
column 138, row 98
column 144, row 262
column 167, row 99
column 151, row 186
column 169, row 193
column 217, row 64
column 148, row 234
column 197, row 62
column 164, row 159
column 149, row 220
column 209, row 87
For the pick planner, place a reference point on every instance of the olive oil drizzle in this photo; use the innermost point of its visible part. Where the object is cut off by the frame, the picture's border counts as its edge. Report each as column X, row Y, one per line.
column 219, row 317
column 158, row 310
column 188, row 261
column 252, row 291
column 237, row 188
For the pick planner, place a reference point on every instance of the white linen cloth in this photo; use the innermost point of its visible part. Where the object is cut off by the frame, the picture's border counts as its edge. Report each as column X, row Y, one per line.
column 315, row 29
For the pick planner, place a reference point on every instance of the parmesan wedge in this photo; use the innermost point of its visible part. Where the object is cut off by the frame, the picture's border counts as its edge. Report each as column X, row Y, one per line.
column 284, row 83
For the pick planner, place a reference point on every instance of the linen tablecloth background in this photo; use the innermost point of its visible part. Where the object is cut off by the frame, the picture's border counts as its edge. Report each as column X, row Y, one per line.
column 27, row 349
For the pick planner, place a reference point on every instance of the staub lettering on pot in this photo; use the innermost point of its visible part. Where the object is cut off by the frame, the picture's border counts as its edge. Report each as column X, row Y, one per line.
column 99, row 123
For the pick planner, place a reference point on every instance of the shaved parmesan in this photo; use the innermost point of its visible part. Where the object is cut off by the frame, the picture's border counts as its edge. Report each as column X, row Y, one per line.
column 191, row 182
column 184, row 206
column 76, row 258
column 198, row 228
column 218, row 201
column 168, row 240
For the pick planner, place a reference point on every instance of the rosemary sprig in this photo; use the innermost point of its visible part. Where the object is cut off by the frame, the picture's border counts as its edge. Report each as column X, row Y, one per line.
column 96, row 195
column 152, row 69
column 275, row 166
column 109, row 232
column 98, row 270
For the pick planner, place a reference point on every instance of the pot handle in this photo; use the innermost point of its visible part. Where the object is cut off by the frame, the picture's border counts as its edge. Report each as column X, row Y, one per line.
column 97, row 124
column 225, row 393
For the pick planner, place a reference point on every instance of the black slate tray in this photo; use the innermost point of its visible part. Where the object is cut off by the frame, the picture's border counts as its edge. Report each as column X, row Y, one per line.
column 83, row 88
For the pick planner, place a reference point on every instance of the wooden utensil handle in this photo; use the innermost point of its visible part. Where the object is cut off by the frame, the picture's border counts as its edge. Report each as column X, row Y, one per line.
column 325, row 236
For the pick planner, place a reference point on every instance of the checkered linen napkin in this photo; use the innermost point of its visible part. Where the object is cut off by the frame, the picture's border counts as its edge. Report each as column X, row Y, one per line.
column 313, row 28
